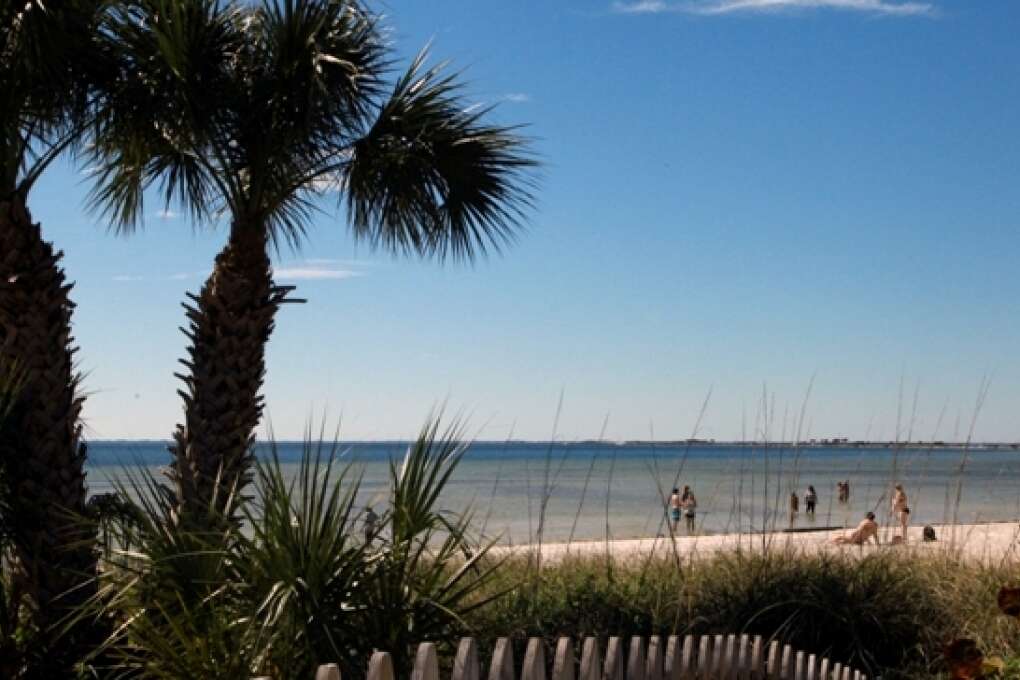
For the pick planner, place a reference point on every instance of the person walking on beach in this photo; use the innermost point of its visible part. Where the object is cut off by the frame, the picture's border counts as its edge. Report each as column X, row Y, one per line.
column 840, row 492
column 690, row 506
column 900, row 509
column 675, row 505
column 846, row 491
column 867, row 529
column 794, row 506
column 810, row 500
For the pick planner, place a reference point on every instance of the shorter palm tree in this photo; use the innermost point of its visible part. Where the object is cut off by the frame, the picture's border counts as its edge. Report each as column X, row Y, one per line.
column 248, row 112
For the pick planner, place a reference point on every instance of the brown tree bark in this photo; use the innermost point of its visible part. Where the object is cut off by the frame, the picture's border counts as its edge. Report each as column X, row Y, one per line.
column 231, row 320
column 41, row 452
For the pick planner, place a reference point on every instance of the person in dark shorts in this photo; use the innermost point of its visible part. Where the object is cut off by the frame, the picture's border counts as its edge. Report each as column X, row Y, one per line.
column 690, row 506
column 810, row 501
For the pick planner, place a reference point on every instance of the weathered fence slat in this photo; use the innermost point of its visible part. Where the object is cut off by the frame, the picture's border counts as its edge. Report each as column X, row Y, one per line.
column 502, row 667
column 465, row 664
column 591, row 660
column 636, row 659
column 732, row 652
column 786, row 664
column 743, row 657
column 687, row 661
column 773, row 660
column 693, row 657
column 563, row 662
column 534, row 660
column 704, row 660
column 653, row 663
column 380, row 666
column 614, row 660
column 672, row 658
column 757, row 660
column 426, row 663
column 328, row 671
column 718, row 649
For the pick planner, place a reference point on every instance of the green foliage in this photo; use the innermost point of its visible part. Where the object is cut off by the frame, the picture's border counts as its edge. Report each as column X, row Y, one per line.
column 256, row 109
column 429, row 573
column 885, row 612
column 298, row 572
column 297, row 585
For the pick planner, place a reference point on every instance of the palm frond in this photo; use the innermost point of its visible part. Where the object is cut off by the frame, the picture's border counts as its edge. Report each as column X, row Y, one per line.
column 430, row 177
column 161, row 119
column 47, row 59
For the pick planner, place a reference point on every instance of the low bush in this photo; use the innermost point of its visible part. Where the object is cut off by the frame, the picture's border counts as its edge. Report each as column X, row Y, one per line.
column 887, row 613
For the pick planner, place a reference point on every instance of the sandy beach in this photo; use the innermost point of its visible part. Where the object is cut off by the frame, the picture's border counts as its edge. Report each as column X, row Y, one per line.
column 988, row 542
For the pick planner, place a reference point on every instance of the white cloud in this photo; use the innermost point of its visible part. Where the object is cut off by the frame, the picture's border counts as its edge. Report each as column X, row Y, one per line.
column 313, row 273
column 721, row 7
column 181, row 276
column 642, row 7
column 128, row 277
column 517, row 97
column 166, row 214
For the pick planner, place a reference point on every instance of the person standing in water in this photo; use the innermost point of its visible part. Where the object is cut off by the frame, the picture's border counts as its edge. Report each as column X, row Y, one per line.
column 900, row 509
column 690, row 506
column 794, row 506
column 810, row 500
column 675, row 505
column 370, row 522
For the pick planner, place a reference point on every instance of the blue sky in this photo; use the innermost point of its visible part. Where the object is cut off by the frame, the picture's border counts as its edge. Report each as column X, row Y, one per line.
column 736, row 193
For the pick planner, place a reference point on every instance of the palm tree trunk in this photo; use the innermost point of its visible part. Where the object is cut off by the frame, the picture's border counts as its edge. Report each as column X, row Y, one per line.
column 231, row 321
column 41, row 450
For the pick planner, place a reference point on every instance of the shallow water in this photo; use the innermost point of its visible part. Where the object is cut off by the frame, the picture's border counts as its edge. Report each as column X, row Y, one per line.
column 507, row 485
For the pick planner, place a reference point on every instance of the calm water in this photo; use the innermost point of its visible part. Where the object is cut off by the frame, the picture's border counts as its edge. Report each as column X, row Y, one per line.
column 581, row 485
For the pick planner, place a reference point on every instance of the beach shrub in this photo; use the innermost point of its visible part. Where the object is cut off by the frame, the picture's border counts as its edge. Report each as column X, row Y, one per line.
column 872, row 612
column 881, row 612
column 298, row 583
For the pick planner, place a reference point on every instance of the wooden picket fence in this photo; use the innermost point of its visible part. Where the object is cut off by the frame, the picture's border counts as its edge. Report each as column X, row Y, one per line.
column 705, row 657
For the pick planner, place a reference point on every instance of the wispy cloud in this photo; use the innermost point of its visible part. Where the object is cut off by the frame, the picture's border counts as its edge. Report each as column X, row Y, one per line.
column 517, row 97
column 128, row 277
column 722, row 7
column 315, row 270
column 642, row 7
column 167, row 214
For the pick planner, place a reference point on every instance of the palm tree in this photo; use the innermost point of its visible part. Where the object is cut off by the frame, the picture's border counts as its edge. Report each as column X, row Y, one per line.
column 43, row 98
column 253, row 113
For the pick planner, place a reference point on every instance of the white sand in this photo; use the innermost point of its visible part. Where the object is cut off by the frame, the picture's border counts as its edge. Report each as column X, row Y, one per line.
column 992, row 542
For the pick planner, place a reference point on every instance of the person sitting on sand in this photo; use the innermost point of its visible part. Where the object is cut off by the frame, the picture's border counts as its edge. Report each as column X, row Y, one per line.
column 900, row 510
column 690, row 506
column 675, row 504
column 867, row 529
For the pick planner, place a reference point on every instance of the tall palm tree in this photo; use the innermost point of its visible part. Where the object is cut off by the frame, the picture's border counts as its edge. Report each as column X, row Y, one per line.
column 43, row 99
column 253, row 113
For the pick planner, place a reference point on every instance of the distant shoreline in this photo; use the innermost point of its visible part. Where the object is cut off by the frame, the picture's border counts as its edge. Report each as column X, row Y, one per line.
column 671, row 443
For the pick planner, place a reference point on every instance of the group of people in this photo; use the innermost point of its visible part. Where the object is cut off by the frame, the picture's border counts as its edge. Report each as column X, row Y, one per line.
column 867, row 530
column 810, row 503
column 811, row 499
column 683, row 504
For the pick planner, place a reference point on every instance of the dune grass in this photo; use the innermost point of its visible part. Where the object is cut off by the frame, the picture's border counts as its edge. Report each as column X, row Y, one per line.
column 885, row 612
